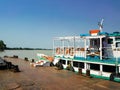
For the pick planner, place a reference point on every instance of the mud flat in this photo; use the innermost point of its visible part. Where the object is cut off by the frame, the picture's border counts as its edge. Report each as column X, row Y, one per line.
column 48, row 78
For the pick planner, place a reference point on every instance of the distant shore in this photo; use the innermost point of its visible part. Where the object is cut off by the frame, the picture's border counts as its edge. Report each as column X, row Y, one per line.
column 19, row 48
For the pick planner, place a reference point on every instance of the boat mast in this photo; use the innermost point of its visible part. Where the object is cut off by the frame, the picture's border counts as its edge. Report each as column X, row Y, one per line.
column 100, row 24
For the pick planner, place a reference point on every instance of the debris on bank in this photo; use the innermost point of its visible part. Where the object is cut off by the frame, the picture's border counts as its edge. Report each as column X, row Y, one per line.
column 4, row 65
column 14, row 56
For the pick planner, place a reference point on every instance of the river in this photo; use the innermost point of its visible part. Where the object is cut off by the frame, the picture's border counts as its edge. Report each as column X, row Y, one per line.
column 30, row 54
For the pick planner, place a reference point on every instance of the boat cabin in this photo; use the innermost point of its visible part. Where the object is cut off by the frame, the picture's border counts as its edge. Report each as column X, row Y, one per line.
column 94, row 45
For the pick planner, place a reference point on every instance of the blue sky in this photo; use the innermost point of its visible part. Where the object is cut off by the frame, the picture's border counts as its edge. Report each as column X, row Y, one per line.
column 34, row 23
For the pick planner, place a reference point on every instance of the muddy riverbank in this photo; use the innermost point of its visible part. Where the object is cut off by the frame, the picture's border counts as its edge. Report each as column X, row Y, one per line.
column 48, row 78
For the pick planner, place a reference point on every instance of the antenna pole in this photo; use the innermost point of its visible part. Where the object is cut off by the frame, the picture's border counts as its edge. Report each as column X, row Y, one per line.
column 101, row 25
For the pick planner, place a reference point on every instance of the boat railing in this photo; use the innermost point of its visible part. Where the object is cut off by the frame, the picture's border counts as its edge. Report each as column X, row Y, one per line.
column 107, row 52
column 68, row 51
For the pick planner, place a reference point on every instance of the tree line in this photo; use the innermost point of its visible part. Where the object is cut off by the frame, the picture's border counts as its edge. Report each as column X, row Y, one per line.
column 4, row 47
column 20, row 48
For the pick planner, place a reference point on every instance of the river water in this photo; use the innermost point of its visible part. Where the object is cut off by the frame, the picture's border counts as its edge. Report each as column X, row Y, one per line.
column 30, row 54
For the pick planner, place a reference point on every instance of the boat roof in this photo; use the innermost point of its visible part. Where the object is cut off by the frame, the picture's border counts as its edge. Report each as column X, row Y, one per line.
column 88, row 35
column 114, row 34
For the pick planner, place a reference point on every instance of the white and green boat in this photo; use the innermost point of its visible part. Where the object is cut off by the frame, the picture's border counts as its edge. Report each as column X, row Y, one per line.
column 96, row 53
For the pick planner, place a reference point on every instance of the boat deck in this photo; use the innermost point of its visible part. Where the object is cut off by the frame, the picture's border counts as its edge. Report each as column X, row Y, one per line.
column 97, row 61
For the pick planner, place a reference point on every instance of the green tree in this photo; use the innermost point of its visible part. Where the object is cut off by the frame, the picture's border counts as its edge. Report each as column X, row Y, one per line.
column 2, row 45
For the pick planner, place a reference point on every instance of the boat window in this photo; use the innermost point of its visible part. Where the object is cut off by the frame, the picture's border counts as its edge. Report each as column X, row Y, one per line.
column 81, row 65
column 95, row 43
column 107, row 68
column 75, row 64
column 110, row 41
column 62, row 61
column 78, row 64
column 118, row 44
column 117, row 38
column 68, row 62
column 95, row 66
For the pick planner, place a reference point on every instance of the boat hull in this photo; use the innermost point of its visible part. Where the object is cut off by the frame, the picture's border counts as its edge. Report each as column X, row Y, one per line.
column 96, row 69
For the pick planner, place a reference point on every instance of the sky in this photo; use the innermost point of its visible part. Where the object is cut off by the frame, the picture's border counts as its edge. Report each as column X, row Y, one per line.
column 34, row 23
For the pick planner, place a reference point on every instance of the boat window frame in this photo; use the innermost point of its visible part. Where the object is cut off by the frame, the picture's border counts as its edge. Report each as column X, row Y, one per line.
column 109, row 40
column 118, row 44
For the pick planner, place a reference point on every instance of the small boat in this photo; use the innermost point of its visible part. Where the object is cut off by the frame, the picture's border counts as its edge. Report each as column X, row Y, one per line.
column 96, row 53
column 43, row 60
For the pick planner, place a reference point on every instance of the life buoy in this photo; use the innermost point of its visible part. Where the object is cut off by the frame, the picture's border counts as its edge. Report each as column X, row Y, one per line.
column 71, row 51
column 57, row 50
column 113, row 75
column 82, row 49
column 59, row 65
column 69, row 67
column 67, row 51
column 51, row 64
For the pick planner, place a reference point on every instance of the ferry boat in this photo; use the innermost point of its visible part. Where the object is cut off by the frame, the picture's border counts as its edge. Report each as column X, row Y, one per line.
column 96, row 53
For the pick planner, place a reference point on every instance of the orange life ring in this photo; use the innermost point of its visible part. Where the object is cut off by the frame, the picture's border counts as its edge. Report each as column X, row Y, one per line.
column 71, row 51
column 57, row 50
column 82, row 49
column 67, row 51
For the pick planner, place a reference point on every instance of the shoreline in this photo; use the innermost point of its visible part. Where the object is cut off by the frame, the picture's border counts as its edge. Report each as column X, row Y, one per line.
column 48, row 78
